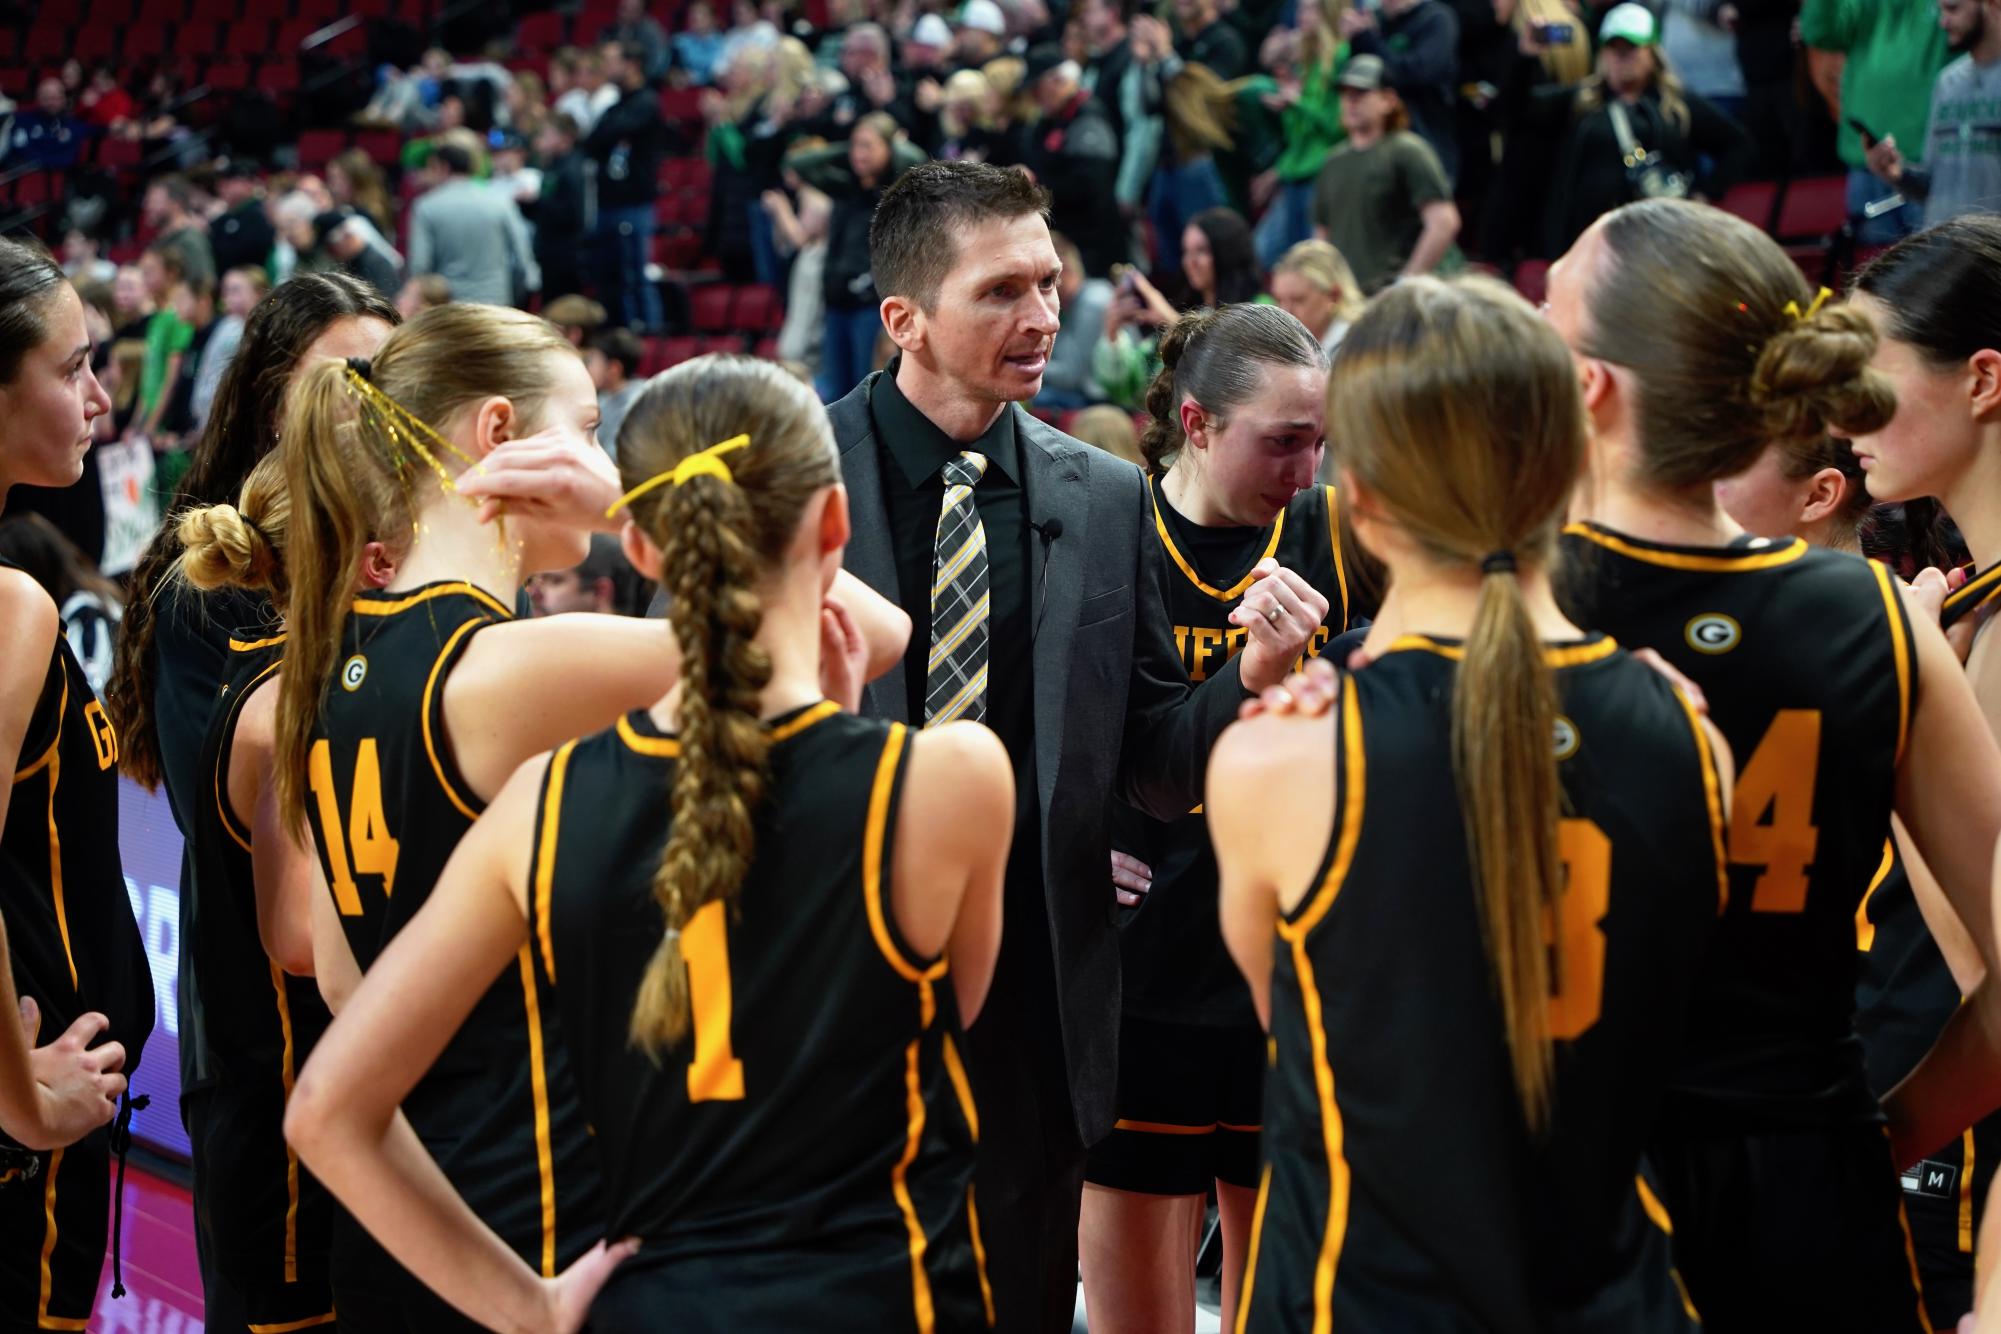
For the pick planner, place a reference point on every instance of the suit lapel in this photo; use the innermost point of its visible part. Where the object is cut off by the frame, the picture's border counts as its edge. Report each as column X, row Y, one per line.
column 1057, row 490
column 869, row 557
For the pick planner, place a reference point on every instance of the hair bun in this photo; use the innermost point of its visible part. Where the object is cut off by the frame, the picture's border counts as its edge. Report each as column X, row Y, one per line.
column 220, row 548
column 1814, row 378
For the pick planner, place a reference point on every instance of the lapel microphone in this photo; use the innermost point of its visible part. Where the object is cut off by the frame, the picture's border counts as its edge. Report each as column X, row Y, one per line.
column 1048, row 530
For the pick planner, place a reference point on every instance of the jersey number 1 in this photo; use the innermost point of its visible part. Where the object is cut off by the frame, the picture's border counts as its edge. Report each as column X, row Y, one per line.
column 366, row 830
column 714, row 1072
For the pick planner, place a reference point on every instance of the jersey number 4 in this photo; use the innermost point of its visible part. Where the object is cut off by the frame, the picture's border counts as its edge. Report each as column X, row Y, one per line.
column 365, row 832
column 1771, row 818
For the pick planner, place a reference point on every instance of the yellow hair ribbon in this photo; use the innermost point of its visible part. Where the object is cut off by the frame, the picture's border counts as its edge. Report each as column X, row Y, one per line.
column 1793, row 307
column 702, row 463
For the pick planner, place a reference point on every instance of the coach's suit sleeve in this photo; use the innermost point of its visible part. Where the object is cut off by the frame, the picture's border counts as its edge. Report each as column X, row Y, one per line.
column 1170, row 725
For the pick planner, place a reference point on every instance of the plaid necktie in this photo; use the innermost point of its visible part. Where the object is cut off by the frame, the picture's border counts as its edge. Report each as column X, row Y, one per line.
column 956, row 684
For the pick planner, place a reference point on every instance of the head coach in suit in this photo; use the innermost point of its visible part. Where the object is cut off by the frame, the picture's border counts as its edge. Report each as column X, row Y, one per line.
column 1022, row 556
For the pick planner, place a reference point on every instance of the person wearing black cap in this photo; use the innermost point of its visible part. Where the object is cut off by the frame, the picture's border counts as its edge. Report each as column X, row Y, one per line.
column 1383, row 199
column 339, row 234
column 242, row 236
column 1074, row 154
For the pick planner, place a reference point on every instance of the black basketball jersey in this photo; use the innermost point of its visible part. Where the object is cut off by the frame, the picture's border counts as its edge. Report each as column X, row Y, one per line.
column 266, row 1217
column 387, row 805
column 1402, row 1188
column 1805, row 656
column 74, row 946
column 1977, row 592
column 804, row 1158
column 1172, row 959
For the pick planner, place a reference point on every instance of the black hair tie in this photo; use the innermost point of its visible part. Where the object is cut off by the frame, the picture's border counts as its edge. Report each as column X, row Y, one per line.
column 1498, row 562
column 361, row 366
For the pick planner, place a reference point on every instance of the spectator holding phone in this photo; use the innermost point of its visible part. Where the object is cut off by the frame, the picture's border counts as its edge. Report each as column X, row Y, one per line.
column 1962, row 146
column 1893, row 49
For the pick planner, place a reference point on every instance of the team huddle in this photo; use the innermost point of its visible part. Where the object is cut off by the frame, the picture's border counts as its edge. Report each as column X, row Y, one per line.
column 1551, row 868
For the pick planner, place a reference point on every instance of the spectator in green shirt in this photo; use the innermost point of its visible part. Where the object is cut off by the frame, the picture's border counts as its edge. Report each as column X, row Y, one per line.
column 168, row 338
column 1894, row 50
column 1306, row 60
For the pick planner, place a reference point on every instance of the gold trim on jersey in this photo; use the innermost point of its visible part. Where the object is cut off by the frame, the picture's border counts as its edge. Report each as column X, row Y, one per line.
column 1553, row 655
column 291, row 1155
column 538, row 1077
column 1972, row 595
column 1900, row 652
column 292, row 1326
column 1235, row 590
column 874, row 837
column 899, row 1186
column 1251, row 1256
column 1966, row 1192
column 1295, row 933
column 1688, row 560
column 1333, row 495
column 1712, row 794
column 251, row 646
column 424, row 716
column 1911, row 1255
column 668, row 748
column 1865, row 930
column 545, row 852
column 955, row 1069
column 43, row 1320
column 979, row 1255
column 52, row 760
column 1657, row 1212
column 374, row 607
column 221, row 774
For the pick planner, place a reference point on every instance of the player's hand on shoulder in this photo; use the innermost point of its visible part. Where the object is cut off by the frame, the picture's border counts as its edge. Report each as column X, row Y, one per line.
column 1306, row 694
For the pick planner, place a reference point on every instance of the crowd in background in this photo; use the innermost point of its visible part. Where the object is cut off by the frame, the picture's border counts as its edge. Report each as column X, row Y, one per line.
column 1307, row 152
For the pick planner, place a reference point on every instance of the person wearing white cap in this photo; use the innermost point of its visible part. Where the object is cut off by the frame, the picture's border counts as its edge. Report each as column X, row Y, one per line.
column 1632, row 108
column 926, row 48
column 982, row 33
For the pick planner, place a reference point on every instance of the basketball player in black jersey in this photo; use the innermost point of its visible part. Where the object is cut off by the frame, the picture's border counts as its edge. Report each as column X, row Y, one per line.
column 1699, row 344
column 1233, row 446
column 1941, row 349
column 72, row 944
column 1471, row 902
column 785, row 1118
column 262, row 1263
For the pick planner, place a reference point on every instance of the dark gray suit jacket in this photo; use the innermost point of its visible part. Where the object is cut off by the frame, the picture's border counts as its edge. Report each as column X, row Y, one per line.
column 1115, row 714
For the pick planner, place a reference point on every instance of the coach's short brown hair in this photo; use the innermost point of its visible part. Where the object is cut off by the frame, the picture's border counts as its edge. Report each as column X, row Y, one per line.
column 929, row 204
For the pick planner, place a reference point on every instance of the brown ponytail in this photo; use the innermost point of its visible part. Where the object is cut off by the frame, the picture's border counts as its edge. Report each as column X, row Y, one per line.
column 719, row 539
column 1709, row 315
column 1216, row 357
column 1456, row 408
column 240, row 545
column 356, row 472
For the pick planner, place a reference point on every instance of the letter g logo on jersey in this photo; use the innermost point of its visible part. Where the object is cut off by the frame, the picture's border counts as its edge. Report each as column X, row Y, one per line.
column 1713, row 633
column 354, row 672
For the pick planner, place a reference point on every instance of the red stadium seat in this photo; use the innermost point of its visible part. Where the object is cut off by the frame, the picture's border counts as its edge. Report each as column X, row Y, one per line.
column 37, row 188
column 1753, row 201
column 709, row 307
column 196, row 41
column 767, row 349
column 674, row 351
column 722, row 345
column 95, row 43
column 757, row 309
column 319, row 147
column 227, row 76
column 112, row 12
column 1814, row 207
column 540, row 32
column 292, row 33
column 47, row 41
column 280, row 77
column 683, row 173
column 146, row 39
column 1532, row 279
column 384, row 147
column 248, row 37
column 215, row 11
column 681, row 105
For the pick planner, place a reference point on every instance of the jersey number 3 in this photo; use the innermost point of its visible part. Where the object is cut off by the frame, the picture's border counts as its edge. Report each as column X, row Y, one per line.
column 1771, row 818
column 366, row 830
column 1580, row 920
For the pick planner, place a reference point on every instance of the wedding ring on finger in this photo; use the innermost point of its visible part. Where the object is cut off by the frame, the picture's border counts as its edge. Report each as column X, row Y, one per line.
column 1273, row 612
